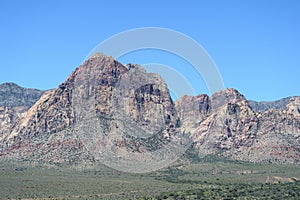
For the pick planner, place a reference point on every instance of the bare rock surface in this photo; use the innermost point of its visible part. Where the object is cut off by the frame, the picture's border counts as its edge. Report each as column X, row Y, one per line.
column 234, row 130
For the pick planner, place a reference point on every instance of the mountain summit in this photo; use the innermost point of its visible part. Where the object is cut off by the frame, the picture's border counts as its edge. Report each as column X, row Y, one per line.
column 102, row 108
column 124, row 117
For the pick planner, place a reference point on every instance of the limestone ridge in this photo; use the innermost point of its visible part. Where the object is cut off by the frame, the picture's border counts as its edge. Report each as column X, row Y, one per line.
column 118, row 110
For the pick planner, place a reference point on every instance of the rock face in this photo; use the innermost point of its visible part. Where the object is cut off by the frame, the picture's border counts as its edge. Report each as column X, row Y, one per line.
column 279, row 134
column 107, row 110
column 9, row 116
column 228, row 122
column 14, row 103
column 232, row 129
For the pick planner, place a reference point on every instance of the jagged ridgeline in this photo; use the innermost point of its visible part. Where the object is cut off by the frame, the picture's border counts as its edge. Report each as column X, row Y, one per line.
column 106, row 111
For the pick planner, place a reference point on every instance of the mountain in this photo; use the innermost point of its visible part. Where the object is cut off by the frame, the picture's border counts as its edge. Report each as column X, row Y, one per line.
column 12, row 95
column 103, row 105
column 14, row 103
column 124, row 117
column 267, row 105
column 226, row 125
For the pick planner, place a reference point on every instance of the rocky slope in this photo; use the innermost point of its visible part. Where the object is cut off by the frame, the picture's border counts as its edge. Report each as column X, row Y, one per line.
column 121, row 115
column 228, row 126
column 14, row 103
column 9, row 116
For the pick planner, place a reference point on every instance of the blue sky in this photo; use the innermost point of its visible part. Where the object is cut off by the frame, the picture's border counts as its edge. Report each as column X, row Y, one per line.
column 255, row 44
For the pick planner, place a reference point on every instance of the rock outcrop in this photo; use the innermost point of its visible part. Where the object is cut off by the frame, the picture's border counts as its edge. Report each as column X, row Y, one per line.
column 9, row 116
column 14, row 103
column 232, row 129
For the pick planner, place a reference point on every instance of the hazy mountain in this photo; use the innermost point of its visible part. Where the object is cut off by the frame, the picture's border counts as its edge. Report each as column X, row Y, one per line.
column 267, row 105
column 13, row 95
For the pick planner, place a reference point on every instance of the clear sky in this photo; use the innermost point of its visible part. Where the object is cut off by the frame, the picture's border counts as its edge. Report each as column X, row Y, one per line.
column 255, row 44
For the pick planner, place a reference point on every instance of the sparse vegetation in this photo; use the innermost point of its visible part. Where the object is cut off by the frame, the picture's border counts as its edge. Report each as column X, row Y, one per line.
column 238, row 191
column 207, row 179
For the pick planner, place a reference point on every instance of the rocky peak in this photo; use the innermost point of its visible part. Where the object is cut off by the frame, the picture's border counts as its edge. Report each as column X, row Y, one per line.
column 99, row 68
column 293, row 107
column 232, row 129
column 218, row 123
column 200, row 103
column 121, row 103
column 56, row 109
column 192, row 110
column 223, row 97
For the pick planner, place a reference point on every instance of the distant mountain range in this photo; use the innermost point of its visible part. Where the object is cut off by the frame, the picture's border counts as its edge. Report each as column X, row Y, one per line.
column 124, row 104
column 13, row 95
column 267, row 105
